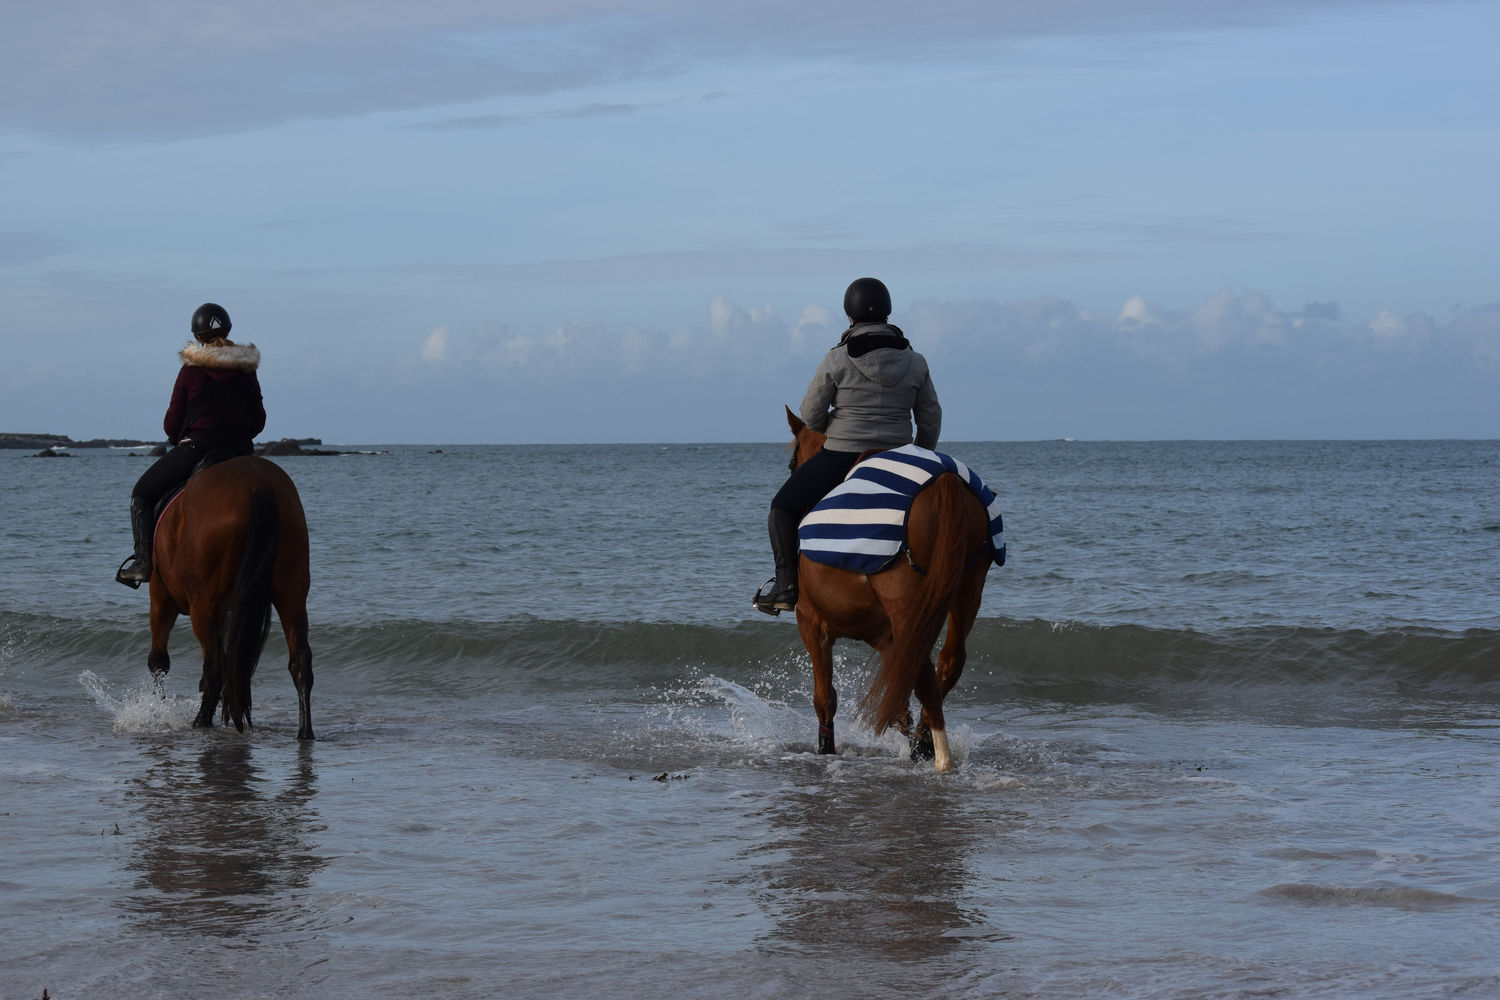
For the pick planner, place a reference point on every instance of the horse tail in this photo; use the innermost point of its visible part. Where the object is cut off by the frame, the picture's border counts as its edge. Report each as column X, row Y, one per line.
column 249, row 616
column 890, row 692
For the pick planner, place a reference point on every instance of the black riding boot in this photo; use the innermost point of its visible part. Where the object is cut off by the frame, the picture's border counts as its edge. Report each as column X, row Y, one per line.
column 780, row 594
column 139, row 569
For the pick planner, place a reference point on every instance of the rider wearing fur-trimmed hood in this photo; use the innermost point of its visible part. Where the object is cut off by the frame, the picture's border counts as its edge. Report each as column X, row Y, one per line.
column 217, row 394
column 216, row 406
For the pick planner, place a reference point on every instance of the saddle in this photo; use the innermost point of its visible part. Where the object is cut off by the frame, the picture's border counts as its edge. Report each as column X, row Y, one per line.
column 145, row 530
column 212, row 458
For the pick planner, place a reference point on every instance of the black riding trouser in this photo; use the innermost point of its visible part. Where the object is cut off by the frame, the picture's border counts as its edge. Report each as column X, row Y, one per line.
column 173, row 468
column 813, row 479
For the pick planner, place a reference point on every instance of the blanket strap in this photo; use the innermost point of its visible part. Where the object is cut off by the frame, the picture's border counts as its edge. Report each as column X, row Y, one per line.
column 912, row 560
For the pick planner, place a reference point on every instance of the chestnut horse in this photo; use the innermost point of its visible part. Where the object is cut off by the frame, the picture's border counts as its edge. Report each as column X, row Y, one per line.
column 899, row 611
column 232, row 545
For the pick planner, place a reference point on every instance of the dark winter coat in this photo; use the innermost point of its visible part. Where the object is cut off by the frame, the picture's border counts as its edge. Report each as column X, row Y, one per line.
column 216, row 400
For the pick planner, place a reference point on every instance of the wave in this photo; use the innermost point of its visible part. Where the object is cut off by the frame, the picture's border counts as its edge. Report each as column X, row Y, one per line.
column 1069, row 661
column 1398, row 897
column 1072, row 652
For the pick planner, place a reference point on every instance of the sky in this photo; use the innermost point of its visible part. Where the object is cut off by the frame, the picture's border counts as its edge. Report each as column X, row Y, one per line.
column 464, row 221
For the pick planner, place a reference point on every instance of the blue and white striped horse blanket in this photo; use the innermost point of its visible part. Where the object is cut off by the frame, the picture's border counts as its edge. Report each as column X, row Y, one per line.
column 861, row 525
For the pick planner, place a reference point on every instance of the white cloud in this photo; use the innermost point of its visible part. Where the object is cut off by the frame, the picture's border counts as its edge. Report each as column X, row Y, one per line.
column 1390, row 328
column 1227, row 317
column 435, row 347
column 721, row 315
column 1139, row 312
column 812, row 321
column 730, row 322
column 516, row 351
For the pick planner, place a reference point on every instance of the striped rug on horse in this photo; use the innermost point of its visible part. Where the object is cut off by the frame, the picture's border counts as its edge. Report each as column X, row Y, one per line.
column 861, row 525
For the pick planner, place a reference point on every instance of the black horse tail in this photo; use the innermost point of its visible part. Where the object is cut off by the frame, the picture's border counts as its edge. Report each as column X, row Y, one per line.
column 249, row 616
column 911, row 646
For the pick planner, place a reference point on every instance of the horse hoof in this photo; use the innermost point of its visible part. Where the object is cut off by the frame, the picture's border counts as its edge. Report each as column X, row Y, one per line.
column 825, row 740
column 922, row 750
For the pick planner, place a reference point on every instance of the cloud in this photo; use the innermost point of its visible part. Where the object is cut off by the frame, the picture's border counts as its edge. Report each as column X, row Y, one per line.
column 727, row 321
column 1478, row 333
column 171, row 68
column 468, row 122
column 1005, row 369
column 771, row 262
column 814, row 322
column 1389, row 328
column 1138, row 312
column 1229, row 317
column 1322, row 311
column 1226, row 324
column 733, row 339
column 496, row 345
column 435, row 347
column 1221, row 332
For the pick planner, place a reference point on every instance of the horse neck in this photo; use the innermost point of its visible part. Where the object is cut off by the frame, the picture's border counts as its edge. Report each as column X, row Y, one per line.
column 809, row 443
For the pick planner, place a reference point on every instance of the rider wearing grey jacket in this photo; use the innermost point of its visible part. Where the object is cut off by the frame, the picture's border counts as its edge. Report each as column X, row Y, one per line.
column 863, row 397
column 867, row 390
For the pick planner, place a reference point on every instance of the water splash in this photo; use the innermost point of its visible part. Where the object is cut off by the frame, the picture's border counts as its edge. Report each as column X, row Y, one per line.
column 140, row 710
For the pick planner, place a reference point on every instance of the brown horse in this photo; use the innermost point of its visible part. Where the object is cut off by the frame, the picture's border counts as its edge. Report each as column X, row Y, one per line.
column 229, row 548
column 899, row 611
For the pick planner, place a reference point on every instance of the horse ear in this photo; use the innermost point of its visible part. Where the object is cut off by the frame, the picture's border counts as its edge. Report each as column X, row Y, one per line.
column 794, row 422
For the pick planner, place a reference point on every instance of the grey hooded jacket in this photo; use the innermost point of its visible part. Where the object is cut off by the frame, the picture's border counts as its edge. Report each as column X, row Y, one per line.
column 867, row 389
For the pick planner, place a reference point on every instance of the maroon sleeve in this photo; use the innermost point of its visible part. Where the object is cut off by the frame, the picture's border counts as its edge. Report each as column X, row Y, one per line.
column 255, row 409
column 177, row 409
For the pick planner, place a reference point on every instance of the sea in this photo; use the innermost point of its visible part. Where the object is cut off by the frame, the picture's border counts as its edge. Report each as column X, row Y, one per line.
column 1229, row 728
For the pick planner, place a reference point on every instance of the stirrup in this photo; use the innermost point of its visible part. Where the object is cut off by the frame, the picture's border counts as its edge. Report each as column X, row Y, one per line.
column 762, row 601
column 121, row 578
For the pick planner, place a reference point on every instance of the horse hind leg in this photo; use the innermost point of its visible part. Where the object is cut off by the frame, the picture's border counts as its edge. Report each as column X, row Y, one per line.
column 965, row 609
column 211, row 684
column 300, row 665
column 954, row 655
column 919, row 737
column 931, row 697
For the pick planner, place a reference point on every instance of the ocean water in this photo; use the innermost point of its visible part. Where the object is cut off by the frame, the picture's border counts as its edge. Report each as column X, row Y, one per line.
column 1230, row 727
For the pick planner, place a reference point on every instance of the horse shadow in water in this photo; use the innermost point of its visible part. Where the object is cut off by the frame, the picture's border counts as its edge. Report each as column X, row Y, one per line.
column 239, row 874
column 232, row 546
column 900, row 611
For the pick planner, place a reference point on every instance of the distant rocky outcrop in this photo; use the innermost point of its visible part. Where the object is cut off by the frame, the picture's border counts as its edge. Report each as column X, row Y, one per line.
column 58, row 445
column 293, row 446
column 29, row 442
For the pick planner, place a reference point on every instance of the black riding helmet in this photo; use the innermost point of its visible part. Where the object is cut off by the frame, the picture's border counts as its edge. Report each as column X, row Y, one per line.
column 210, row 321
column 867, row 301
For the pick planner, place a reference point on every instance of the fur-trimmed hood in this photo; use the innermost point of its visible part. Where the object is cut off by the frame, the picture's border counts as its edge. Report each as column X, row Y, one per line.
column 223, row 354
